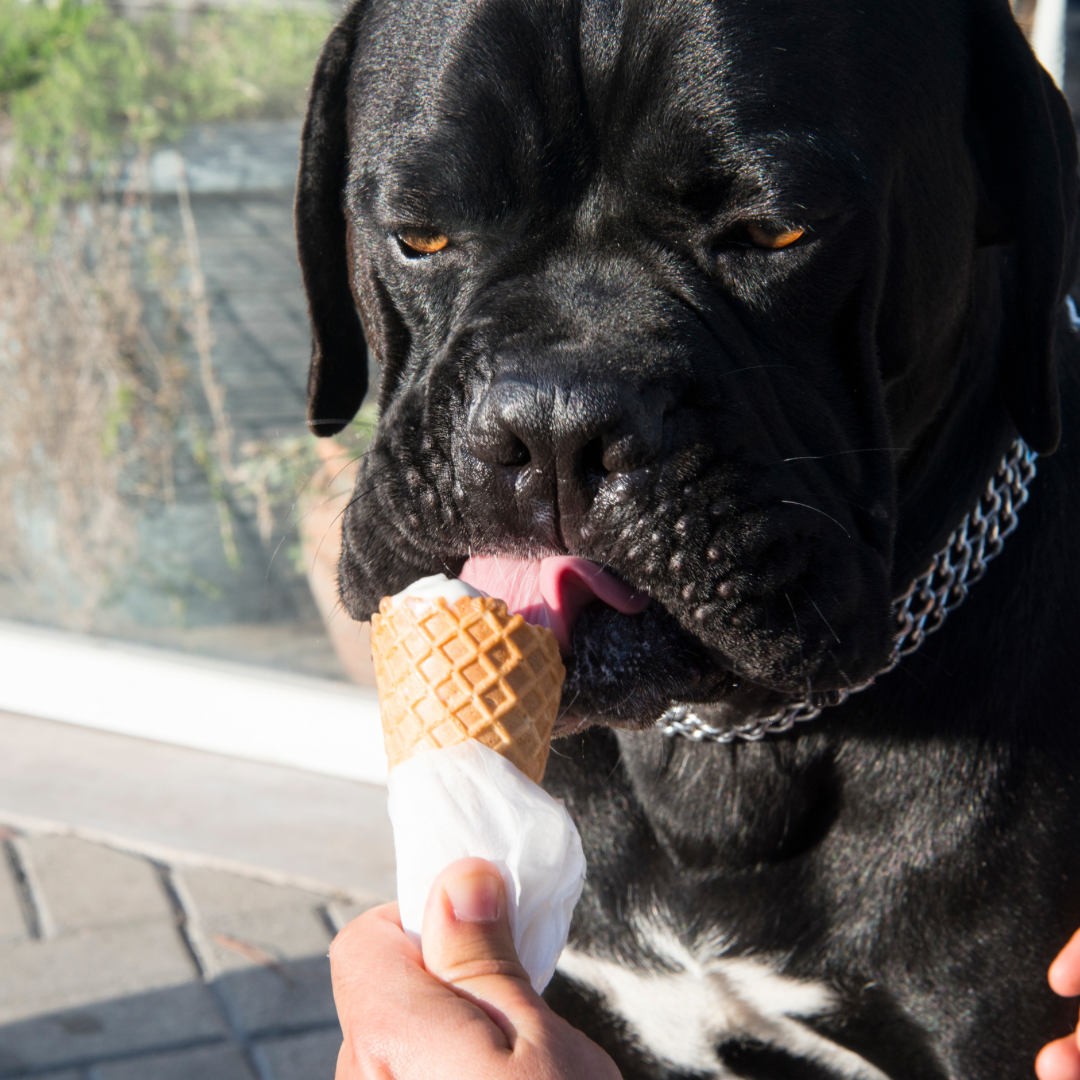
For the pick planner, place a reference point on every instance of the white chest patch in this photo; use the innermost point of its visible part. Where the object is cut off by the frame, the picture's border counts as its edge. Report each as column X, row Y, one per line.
column 693, row 1000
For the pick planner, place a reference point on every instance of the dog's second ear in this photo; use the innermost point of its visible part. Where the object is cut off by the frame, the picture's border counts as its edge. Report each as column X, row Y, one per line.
column 337, row 379
column 1024, row 145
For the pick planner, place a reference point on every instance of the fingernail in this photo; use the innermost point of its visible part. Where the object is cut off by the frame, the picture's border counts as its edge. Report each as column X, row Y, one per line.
column 475, row 899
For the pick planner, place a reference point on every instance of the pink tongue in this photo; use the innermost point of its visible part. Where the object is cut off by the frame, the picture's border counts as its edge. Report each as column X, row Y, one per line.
column 550, row 592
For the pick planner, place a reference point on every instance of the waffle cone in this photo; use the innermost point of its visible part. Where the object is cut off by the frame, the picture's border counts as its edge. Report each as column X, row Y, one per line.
column 468, row 671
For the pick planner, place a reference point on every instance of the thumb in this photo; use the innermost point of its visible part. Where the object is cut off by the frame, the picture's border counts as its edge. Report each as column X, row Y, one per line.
column 466, row 938
column 1065, row 970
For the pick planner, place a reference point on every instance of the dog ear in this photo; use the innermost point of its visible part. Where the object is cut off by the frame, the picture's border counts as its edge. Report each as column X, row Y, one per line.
column 337, row 378
column 1024, row 145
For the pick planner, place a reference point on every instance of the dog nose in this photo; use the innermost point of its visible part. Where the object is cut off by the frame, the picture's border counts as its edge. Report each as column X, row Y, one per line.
column 587, row 430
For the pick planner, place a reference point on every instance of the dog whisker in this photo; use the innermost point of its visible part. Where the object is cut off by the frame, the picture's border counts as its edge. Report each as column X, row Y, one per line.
column 564, row 709
column 341, row 513
column 911, row 674
column 284, row 536
column 618, row 762
column 702, row 765
column 792, row 502
column 348, row 464
column 823, row 619
column 841, row 453
column 798, row 629
column 756, row 367
column 296, row 524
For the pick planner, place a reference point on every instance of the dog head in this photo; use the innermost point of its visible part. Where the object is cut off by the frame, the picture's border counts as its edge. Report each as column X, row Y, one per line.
column 701, row 291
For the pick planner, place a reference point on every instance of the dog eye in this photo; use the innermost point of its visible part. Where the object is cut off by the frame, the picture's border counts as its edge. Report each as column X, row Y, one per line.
column 422, row 243
column 766, row 236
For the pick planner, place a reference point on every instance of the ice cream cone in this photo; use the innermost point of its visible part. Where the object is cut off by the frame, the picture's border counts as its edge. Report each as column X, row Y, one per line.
column 469, row 670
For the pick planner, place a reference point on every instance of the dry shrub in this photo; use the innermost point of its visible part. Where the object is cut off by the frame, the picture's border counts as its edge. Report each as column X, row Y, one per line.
column 87, row 415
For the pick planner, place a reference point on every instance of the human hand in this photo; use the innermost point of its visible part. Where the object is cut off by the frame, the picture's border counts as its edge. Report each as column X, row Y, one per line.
column 464, row 1007
column 1060, row 1060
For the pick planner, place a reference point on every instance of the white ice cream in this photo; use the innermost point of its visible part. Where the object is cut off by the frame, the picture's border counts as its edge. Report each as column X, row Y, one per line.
column 432, row 588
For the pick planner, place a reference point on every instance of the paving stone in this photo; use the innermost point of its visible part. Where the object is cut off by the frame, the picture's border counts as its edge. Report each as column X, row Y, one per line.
column 217, row 892
column 304, row 1057
column 77, row 969
column 290, row 996
column 77, row 1008
column 87, row 885
column 224, row 1062
column 282, row 934
column 12, row 920
column 271, row 943
column 97, row 993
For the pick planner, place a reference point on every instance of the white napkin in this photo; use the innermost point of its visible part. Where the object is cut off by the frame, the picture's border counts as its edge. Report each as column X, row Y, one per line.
column 467, row 800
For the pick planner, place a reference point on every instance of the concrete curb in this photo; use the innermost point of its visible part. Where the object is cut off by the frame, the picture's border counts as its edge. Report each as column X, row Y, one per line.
column 186, row 807
column 245, row 712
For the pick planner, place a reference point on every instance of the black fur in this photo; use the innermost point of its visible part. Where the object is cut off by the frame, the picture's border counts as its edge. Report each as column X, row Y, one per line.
column 772, row 444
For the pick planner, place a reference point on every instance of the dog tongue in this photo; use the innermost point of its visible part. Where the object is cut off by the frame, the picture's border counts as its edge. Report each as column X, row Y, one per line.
column 550, row 592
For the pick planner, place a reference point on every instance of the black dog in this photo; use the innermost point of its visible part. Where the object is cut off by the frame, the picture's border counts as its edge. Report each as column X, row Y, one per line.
column 745, row 301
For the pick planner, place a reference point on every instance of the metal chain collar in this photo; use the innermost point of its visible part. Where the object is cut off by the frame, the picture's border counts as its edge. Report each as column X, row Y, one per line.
column 919, row 612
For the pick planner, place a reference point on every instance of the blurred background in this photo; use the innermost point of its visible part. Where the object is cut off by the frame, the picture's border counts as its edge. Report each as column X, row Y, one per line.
column 167, row 558
column 190, row 761
column 154, row 461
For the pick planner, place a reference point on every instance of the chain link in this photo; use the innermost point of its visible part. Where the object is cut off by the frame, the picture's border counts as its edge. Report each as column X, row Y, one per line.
column 919, row 612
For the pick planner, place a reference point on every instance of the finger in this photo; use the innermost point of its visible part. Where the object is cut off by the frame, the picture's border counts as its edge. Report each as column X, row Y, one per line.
column 467, row 943
column 347, row 1067
column 376, row 941
column 1065, row 970
column 394, row 1015
column 1059, row 1061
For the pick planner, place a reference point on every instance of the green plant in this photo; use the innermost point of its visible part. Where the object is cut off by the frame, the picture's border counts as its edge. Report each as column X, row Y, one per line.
column 82, row 87
column 31, row 35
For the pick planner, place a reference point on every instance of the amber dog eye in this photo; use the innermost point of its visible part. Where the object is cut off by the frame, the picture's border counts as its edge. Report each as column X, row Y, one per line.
column 764, row 236
column 422, row 243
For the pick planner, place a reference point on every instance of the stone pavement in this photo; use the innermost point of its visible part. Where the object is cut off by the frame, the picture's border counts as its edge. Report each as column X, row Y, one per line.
column 119, row 967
